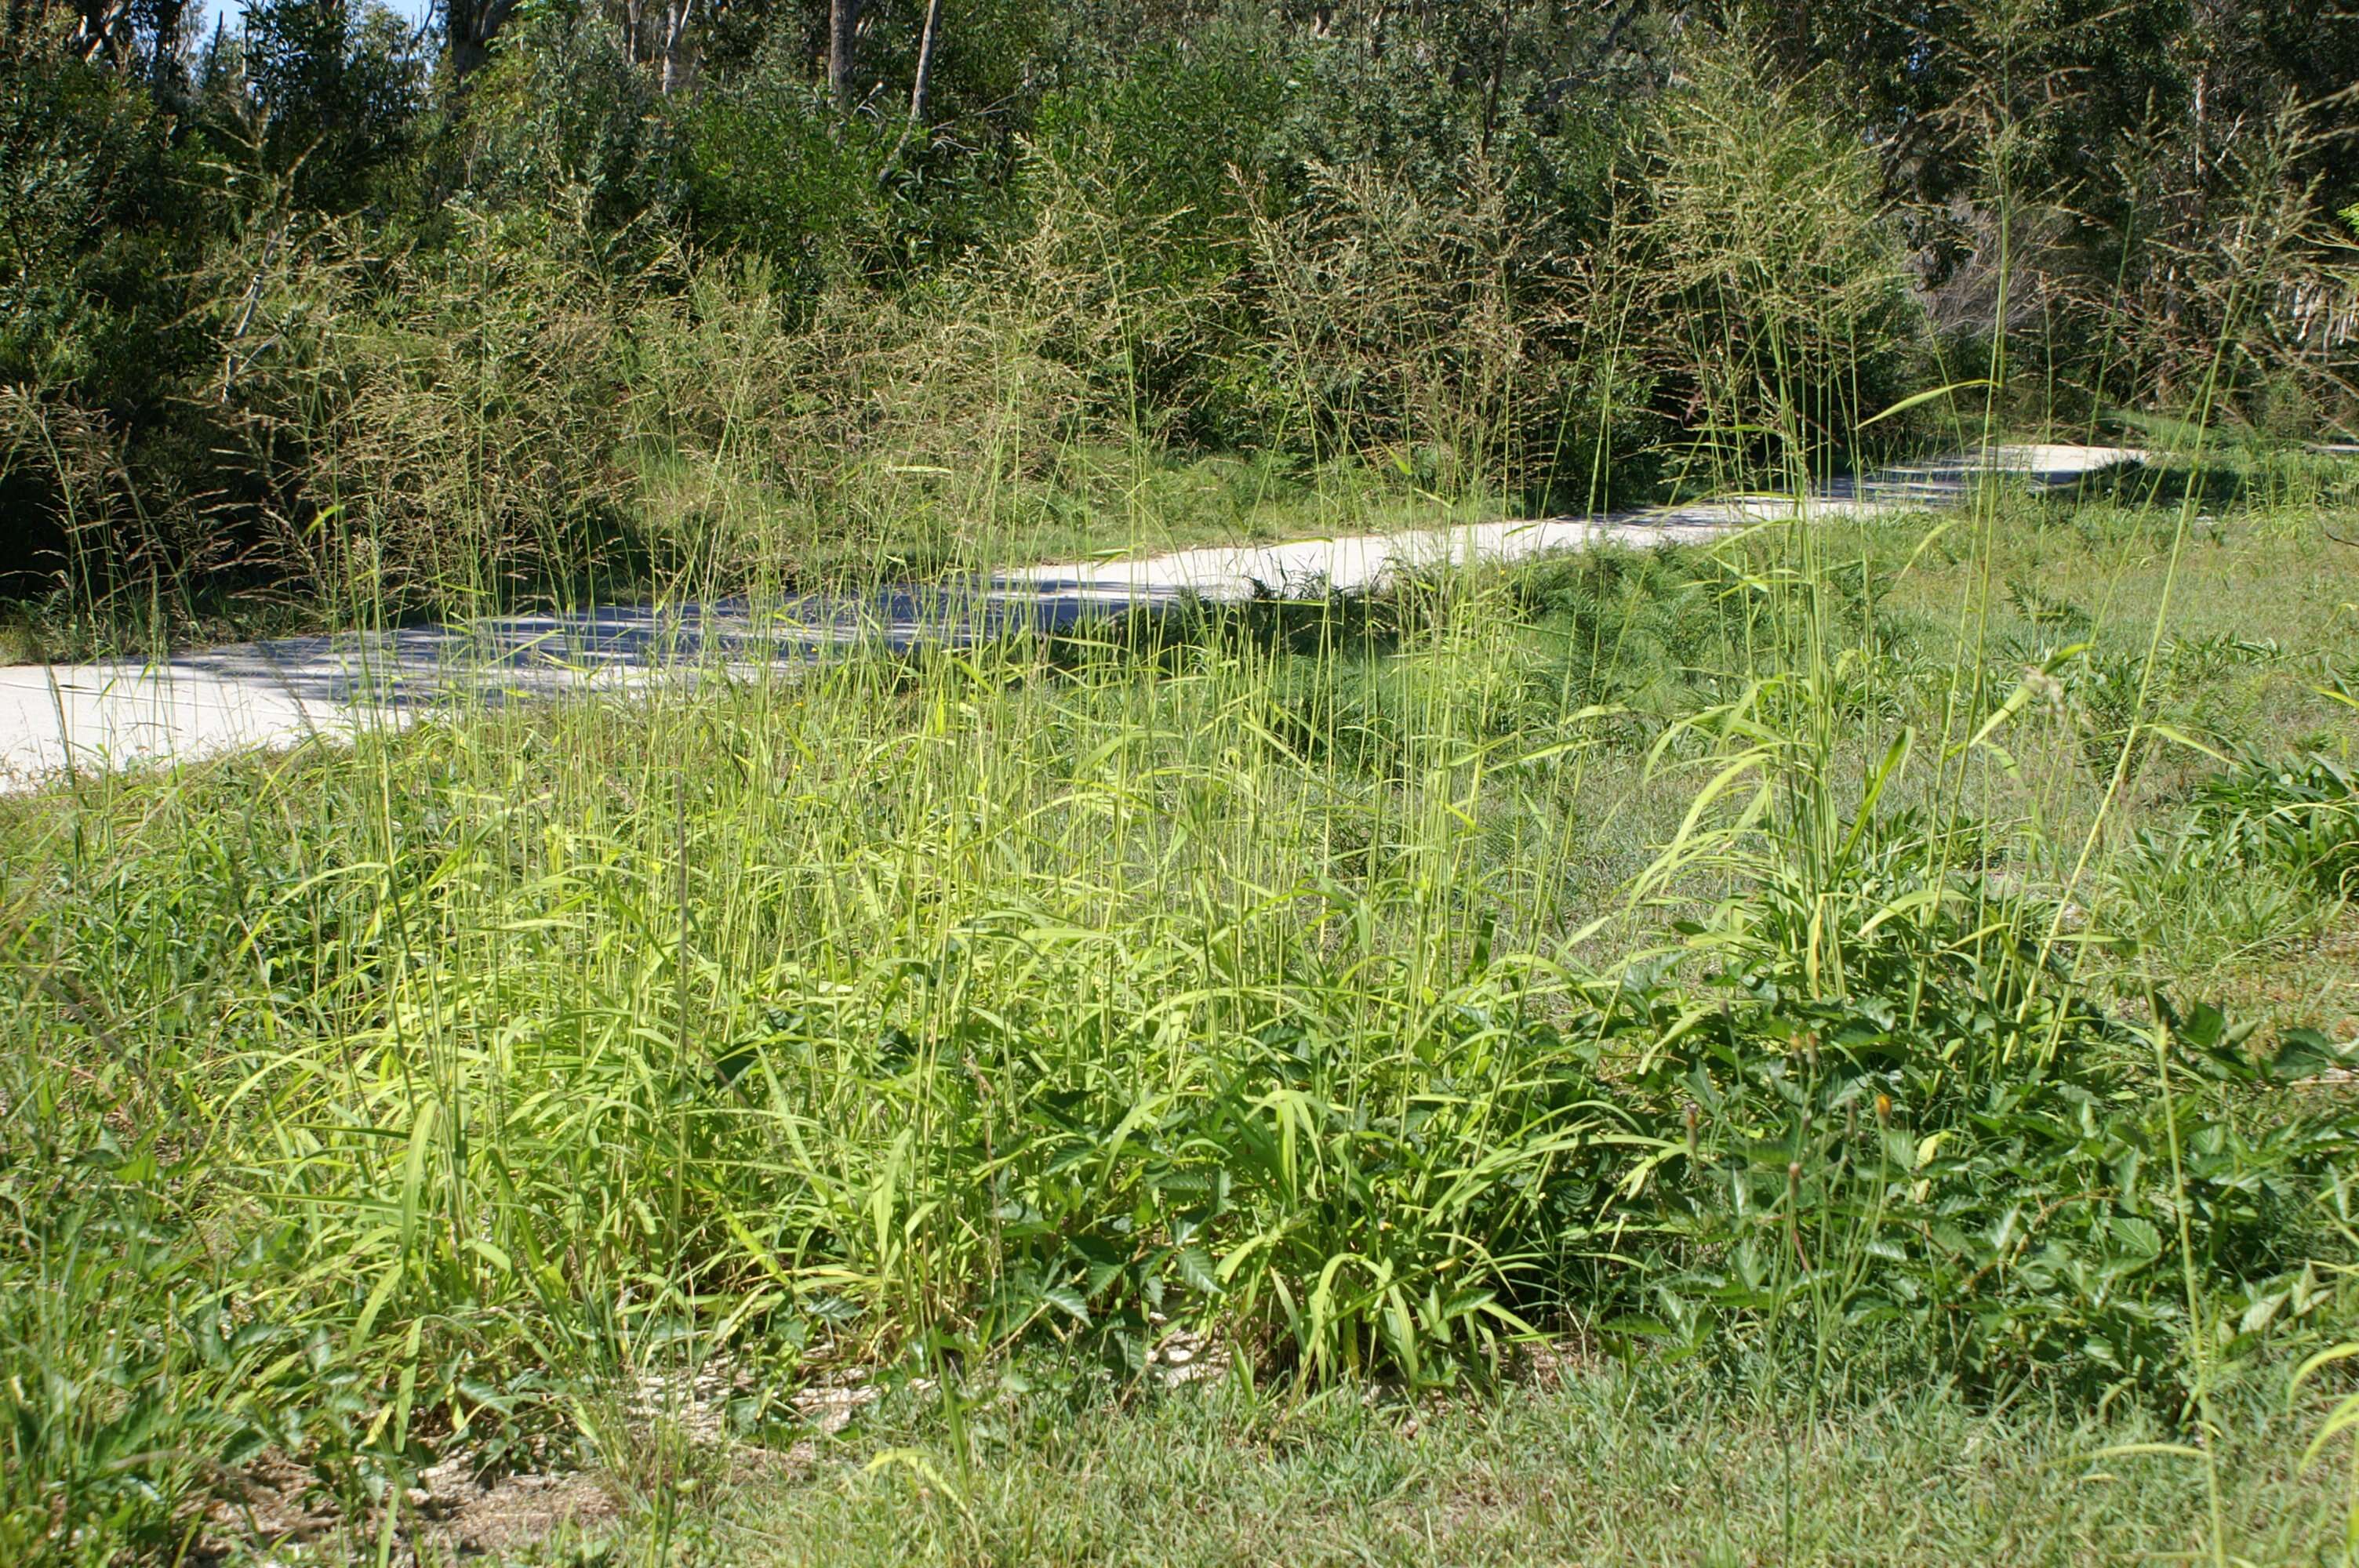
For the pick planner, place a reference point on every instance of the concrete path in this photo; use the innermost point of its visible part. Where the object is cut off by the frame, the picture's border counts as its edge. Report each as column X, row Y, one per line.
column 56, row 718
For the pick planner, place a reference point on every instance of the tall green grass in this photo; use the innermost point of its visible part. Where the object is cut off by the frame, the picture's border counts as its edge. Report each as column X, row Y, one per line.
column 1802, row 961
column 1615, row 946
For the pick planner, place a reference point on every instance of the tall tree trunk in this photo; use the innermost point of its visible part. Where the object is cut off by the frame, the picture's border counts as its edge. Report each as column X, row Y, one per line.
column 921, row 90
column 472, row 24
column 1498, row 73
column 842, row 45
column 679, row 47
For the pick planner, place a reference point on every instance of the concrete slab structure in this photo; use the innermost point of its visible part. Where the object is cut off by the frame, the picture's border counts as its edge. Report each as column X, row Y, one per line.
column 57, row 719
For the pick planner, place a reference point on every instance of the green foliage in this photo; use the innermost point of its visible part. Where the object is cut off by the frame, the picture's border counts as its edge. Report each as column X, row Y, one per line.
column 773, row 171
column 1179, row 143
column 445, row 418
column 2299, row 815
column 93, row 1406
column 1690, row 948
column 1643, row 632
column 1046, row 1463
column 84, row 159
column 1954, row 1148
column 103, row 211
column 1513, row 257
column 1778, row 274
column 943, row 1009
column 565, row 117
column 2195, row 897
column 340, row 88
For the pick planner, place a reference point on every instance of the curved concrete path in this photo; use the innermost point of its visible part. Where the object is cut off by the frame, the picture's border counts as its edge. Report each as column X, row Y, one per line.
column 60, row 719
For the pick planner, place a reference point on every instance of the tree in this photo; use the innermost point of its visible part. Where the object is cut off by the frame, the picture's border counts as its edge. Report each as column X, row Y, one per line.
column 341, row 85
column 922, row 84
column 677, row 51
column 843, row 47
column 920, row 87
column 104, row 33
column 469, row 26
column 663, row 39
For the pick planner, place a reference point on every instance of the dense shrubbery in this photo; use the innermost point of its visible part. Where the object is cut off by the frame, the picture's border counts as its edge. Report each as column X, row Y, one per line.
column 1562, row 258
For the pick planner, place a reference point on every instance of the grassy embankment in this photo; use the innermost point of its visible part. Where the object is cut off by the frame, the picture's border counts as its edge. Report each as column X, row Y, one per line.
column 1774, row 975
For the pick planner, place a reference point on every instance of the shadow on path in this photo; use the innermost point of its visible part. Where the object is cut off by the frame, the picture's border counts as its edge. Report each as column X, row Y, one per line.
column 205, row 701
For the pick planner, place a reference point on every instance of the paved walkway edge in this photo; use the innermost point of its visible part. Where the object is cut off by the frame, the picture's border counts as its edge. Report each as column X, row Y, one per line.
column 58, row 720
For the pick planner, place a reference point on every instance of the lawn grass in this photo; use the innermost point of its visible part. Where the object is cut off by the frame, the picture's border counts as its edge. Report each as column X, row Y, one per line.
column 1573, row 1464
